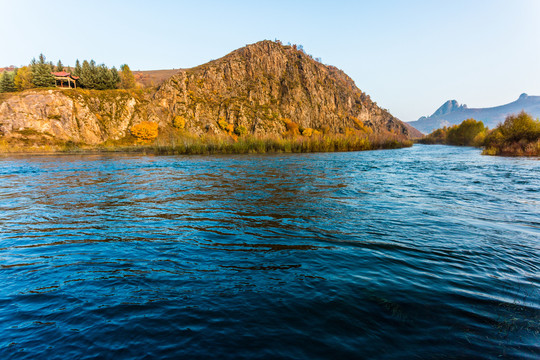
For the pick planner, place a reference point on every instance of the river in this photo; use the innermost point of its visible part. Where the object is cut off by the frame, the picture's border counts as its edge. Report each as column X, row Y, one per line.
column 429, row 252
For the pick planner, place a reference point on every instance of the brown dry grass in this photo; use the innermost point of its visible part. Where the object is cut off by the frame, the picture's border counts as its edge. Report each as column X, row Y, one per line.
column 152, row 78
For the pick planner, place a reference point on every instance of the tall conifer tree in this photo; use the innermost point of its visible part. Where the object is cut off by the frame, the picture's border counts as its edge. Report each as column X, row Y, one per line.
column 41, row 72
column 6, row 82
column 77, row 70
column 115, row 78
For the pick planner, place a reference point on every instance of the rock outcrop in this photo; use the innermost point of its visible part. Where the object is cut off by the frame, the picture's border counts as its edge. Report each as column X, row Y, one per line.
column 259, row 87
column 90, row 117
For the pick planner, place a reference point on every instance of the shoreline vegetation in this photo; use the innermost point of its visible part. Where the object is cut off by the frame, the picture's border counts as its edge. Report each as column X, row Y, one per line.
column 183, row 143
column 519, row 135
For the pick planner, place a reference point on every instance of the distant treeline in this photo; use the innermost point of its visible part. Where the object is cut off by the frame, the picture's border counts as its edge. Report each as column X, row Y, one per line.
column 38, row 74
column 519, row 135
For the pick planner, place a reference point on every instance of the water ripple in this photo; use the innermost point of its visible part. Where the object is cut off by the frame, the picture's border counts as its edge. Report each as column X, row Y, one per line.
column 428, row 252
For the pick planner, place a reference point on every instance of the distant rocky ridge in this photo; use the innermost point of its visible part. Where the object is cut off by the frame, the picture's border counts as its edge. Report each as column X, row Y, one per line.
column 452, row 113
column 258, row 87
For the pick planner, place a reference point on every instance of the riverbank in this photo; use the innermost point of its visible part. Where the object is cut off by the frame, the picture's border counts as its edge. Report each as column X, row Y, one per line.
column 186, row 144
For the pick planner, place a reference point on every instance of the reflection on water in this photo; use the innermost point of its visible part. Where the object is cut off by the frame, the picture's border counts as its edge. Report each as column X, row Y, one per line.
column 427, row 252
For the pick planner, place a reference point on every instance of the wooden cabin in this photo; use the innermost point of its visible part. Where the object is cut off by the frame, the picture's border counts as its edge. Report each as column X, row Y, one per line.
column 65, row 80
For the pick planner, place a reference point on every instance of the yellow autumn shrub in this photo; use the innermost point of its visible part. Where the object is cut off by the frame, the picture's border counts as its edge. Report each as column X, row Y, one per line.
column 179, row 122
column 145, row 130
column 225, row 126
column 361, row 126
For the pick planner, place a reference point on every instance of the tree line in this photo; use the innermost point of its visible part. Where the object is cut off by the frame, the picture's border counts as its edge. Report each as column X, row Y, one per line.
column 518, row 135
column 38, row 74
column 469, row 133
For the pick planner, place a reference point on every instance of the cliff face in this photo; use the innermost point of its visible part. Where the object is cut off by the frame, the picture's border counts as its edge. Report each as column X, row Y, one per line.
column 258, row 86
column 90, row 117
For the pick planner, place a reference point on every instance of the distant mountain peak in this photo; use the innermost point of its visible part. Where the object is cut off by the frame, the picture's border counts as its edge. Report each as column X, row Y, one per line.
column 448, row 107
column 523, row 96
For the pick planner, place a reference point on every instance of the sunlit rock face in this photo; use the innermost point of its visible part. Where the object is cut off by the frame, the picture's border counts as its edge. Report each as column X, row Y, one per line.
column 90, row 118
column 260, row 84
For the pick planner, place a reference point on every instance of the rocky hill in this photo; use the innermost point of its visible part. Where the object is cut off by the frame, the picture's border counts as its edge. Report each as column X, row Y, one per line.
column 452, row 113
column 261, row 87
column 260, row 84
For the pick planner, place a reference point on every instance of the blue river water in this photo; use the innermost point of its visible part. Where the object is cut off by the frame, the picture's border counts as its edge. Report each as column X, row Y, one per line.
column 429, row 252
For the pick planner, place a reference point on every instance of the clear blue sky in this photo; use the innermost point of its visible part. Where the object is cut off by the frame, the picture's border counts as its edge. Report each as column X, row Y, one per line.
column 410, row 56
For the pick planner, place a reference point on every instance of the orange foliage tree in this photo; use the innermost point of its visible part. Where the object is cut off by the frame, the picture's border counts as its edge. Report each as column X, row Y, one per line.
column 291, row 126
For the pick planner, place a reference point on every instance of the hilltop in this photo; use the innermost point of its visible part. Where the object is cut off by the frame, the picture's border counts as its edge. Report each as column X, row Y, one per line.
column 263, row 89
column 452, row 113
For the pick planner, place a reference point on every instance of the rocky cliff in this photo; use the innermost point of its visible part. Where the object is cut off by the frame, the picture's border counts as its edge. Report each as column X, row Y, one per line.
column 260, row 87
column 90, row 117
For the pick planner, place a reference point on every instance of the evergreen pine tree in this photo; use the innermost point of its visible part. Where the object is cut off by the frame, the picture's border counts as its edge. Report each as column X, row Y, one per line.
column 92, row 75
column 87, row 78
column 115, row 78
column 93, row 66
column 41, row 73
column 102, row 77
column 6, row 83
column 59, row 66
column 77, row 70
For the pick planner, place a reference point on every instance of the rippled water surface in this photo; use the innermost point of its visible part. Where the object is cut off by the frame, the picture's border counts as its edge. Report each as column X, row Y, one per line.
column 423, row 253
